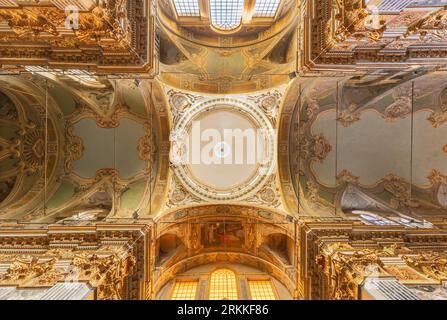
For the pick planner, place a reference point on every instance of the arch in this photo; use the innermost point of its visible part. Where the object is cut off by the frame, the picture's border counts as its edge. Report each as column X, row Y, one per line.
column 281, row 246
column 166, row 246
column 25, row 115
column 287, row 277
column 286, row 115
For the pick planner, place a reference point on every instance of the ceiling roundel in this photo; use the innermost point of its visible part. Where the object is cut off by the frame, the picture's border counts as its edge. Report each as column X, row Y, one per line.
column 223, row 149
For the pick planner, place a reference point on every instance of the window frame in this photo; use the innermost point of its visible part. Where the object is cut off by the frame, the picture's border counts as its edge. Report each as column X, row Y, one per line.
column 262, row 278
column 237, row 278
column 185, row 279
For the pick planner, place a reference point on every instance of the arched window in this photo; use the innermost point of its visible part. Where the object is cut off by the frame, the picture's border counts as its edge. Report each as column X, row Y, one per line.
column 223, row 285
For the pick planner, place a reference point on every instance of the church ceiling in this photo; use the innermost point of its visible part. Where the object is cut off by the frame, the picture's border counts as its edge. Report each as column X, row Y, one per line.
column 223, row 178
column 387, row 141
column 106, row 150
column 252, row 231
column 300, row 140
column 115, row 140
column 223, row 63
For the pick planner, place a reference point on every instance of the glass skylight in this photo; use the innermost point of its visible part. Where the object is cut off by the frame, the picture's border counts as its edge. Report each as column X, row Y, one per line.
column 266, row 8
column 226, row 14
column 396, row 6
column 187, row 8
column 393, row 5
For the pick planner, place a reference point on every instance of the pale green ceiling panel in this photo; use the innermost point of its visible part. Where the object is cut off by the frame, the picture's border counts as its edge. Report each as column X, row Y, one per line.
column 63, row 98
column 133, row 196
column 134, row 100
column 109, row 148
column 62, row 195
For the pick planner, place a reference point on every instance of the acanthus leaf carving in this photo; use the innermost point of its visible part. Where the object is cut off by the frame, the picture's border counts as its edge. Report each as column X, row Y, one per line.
column 269, row 103
column 106, row 273
column 432, row 264
column 314, row 148
column 347, row 272
column 74, row 148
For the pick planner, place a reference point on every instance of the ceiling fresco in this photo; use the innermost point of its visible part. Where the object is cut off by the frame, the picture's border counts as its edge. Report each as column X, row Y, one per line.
column 192, row 60
column 105, row 148
column 387, row 141
column 321, row 146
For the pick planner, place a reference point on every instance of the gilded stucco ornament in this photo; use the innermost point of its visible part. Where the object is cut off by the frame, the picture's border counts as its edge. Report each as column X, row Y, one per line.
column 402, row 105
column 105, row 28
column 401, row 191
column 348, row 271
column 180, row 102
column 106, row 273
column 269, row 102
column 74, row 148
column 179, row 196
column 439, row 117
column 344, row 36
column 147, row 146
column 432, row 264
column 268, row 195
column 314, row 148
column 349, row 115
column 346, row 177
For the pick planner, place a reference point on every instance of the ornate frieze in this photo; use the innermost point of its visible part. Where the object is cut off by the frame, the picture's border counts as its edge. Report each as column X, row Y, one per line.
column 348, row 35
column 432, row 264
column 338, row 256
column 348, row 271
column 106, row 258
column 110, row 37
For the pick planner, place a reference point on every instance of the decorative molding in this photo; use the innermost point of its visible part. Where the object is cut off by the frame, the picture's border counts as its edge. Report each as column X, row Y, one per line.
column 74, row 148
column 179, row 196
column 344, row 35
column 269, row 103
column 111, row 37
column 268, row 195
